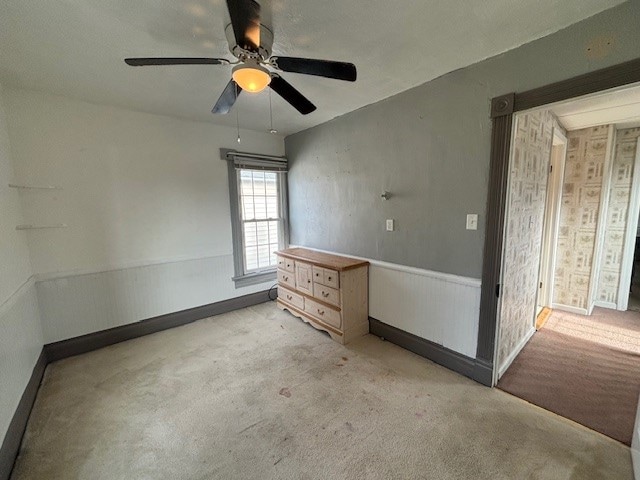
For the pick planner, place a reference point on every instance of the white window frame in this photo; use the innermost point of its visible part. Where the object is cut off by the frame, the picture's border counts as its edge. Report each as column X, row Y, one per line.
column 249, row 161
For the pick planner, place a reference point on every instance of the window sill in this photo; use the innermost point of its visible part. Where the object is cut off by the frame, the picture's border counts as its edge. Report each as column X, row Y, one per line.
column 255, row 278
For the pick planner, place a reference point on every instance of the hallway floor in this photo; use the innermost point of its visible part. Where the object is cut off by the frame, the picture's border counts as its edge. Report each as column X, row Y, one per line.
column 586, row 368
column 634, row 300
column 258, row 394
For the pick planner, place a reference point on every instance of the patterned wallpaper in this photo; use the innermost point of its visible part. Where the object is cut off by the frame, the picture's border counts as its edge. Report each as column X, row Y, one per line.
column 582, row 186
column 619, row 196
column 523, row 237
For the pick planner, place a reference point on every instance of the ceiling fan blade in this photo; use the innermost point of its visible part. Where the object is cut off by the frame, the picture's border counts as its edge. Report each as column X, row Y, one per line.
column 141, row 62
column 245, row 19
column 291, row 95
column 227, row 99
column 322, row 68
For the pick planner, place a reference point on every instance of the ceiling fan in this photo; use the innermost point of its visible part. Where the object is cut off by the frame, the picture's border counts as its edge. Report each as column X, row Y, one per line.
column 250, row 42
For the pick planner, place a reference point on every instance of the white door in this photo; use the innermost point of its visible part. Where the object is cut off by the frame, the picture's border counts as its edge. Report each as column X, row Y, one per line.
column 552, row 219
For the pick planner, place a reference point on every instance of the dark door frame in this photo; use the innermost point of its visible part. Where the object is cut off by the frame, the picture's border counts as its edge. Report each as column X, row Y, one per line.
column 503, row 109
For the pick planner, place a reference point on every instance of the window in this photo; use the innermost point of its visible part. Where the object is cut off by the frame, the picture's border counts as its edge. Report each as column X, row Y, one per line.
column 260, row 217
column 257, row 186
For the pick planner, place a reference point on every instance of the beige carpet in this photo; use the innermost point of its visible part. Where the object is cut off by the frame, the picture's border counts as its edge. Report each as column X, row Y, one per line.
column 258, row 394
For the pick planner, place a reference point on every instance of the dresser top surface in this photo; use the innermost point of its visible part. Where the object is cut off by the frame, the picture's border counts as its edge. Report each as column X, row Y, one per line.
column 328, row 260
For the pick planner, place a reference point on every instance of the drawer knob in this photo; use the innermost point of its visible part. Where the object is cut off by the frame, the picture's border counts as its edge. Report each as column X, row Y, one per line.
column 317, row 274
column 320, row 312
column 289, row 297
column 286, row 279
column 329, row 279
column 308, row 281
column 325, row 295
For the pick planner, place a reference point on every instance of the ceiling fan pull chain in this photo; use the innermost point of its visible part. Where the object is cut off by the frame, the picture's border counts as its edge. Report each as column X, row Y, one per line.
column 237, row 115
column 271, row 130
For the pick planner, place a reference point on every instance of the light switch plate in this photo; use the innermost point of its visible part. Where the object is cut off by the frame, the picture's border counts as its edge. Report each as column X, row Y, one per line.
column 390, row 225
column 472, row 221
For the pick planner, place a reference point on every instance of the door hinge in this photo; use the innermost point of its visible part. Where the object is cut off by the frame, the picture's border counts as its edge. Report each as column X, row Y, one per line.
column 540, row 285
column 550, row 168
column 498, row 290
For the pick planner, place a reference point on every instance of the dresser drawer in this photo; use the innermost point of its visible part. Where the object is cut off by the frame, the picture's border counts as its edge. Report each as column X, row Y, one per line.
column 327, row 277
column 291, row 297
column 318, row 275
column 285, row 264
column 326, row 294
column 286, row 278
column 331, row 278
column 327, row 314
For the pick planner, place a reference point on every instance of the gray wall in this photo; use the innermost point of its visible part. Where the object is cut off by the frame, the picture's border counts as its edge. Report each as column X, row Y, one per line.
column 429, row 146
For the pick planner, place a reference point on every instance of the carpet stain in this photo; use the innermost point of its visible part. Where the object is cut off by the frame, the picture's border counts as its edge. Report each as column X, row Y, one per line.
column 285, row 392
column 345, row 359
column 250, row 426
column 349, row 426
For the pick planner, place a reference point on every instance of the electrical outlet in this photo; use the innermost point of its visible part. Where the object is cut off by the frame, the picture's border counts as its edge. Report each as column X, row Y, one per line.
column 390, row 225
column 472, row 221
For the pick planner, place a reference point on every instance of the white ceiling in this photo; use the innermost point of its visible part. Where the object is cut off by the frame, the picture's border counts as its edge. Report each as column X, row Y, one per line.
column 620, row 107
column 75, row 48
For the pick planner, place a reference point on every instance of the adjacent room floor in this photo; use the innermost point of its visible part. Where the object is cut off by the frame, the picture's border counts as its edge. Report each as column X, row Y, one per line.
column 258, row 394
column 586, row 368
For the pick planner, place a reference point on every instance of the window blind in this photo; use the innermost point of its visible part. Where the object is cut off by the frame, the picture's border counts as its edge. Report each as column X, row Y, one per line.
column 252, row 161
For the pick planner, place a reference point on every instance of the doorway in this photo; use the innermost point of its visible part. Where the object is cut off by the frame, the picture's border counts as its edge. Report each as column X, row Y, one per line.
column 629, row 288
column 502, row 112
column 582, row 220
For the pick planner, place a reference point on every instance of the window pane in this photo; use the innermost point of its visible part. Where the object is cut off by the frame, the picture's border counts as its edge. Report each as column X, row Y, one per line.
column 251, row 258
column 246, row 182
column 272, row 207
column 273, row 232
column 264, row 256
column 248, row 212
column 250, row 238
column 271, row 183
column 260, row 205
column 258, row 183
column 262, row 232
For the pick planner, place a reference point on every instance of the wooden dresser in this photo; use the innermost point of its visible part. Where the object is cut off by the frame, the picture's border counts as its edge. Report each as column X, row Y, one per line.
column 327, row 291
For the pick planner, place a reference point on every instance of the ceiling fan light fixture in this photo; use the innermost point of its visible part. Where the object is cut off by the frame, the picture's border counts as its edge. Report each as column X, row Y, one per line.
column 251, row 77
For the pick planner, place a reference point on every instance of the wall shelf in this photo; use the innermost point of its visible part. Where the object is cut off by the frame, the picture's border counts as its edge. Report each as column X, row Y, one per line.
column 35, row 187
column 40, row 227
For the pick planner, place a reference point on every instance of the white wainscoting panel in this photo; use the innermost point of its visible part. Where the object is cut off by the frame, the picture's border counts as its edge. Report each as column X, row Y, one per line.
column 79, row 304
column 441, row 308
column 20, row 346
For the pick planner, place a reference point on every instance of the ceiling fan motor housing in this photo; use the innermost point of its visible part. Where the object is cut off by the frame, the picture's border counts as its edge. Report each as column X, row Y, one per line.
column 264, row 51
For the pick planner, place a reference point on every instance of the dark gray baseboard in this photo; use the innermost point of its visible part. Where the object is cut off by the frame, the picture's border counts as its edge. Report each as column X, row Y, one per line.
column 467, row 366
column 11, row 443
column 104, row 338
column 93, row 341
column 483, row 372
